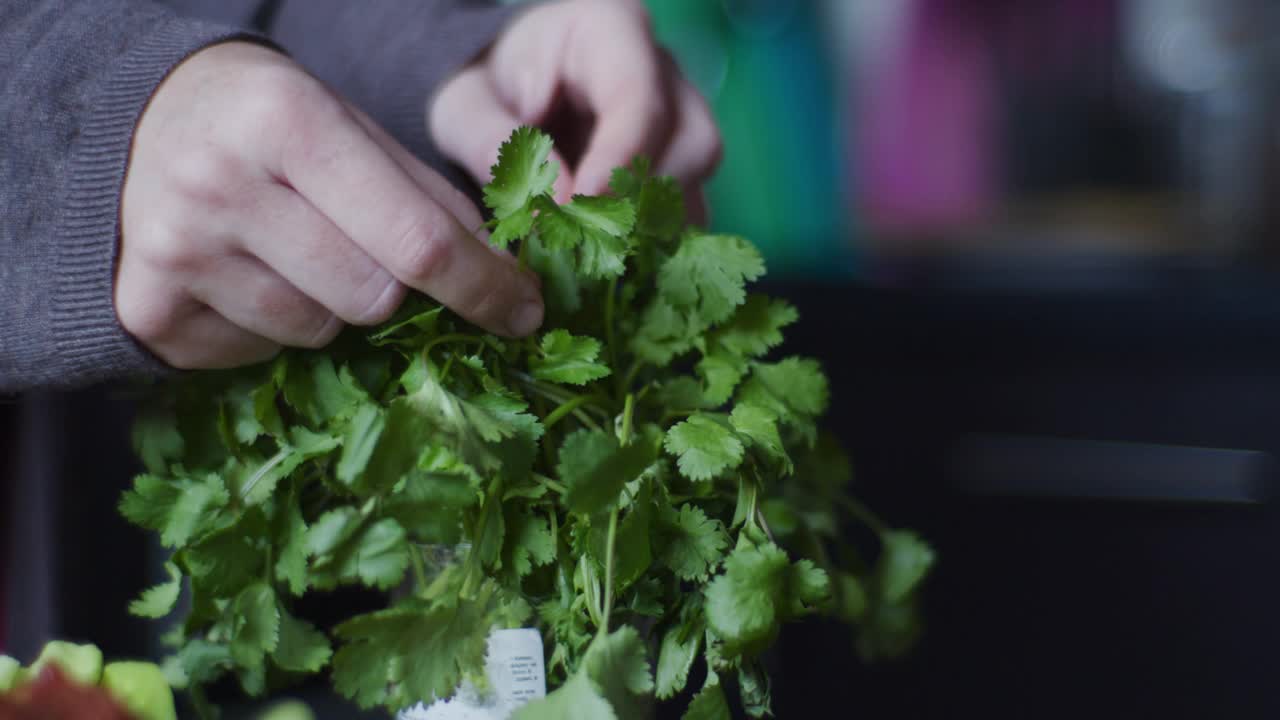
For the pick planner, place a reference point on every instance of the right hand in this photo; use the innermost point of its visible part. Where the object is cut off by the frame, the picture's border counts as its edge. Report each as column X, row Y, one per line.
column 259, row 210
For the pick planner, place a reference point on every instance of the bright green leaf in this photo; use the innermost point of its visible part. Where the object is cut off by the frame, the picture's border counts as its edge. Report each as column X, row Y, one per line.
column 704, row 447
column 568, row 359
column 158, row 600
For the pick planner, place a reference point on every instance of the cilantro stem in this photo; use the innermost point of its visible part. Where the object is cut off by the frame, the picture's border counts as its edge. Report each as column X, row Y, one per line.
column 458, row 338
column 764, row 525
column 609, row 301
column 628, row 409
column 567, row 407
column 419, row 569
column 585, row 419
column 863, row 514
column 448, row 365
column 558, row 395
column 610, row 547
column 522, row 255
column 631, row 374
column 267, row 467
column 552, row 484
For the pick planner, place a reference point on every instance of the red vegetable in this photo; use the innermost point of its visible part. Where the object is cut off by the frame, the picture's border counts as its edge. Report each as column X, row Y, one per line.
column 52, row 697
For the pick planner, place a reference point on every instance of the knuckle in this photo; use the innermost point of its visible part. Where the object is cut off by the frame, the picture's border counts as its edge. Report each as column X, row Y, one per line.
column 308, row 140
column 298, row 319
column 377, row 300
column 325, row 328
column 146, row 318
column 424, row 251
column 169, row 248
column 482, row 299
column 207, row 178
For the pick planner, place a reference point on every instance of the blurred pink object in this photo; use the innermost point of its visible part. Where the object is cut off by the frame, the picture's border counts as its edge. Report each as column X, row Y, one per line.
column 928, row 153
column 925, row 151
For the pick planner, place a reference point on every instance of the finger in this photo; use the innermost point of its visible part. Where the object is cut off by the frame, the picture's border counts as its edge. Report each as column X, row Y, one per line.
column 308, row 251
column 469, row 123
column 696, row 207
column 208, row 341
column 341, row 170
column 253, row 297
column 431, row 182
column 618, row 75
column 695, row 147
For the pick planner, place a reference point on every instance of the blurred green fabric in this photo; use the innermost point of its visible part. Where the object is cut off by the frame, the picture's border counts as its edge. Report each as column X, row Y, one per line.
column 770, row 74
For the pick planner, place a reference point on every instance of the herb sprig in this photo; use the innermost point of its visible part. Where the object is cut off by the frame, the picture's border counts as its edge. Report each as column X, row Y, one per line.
column 643, row 482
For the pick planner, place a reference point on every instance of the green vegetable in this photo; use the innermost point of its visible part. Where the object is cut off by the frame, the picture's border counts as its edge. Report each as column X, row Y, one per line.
column 288, row 710
column 11, row 673
column 141, row 688
column 81, row 663
column 643, row 477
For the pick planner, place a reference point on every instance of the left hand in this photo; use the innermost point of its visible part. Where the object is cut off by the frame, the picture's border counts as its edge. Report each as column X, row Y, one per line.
column 592, row 71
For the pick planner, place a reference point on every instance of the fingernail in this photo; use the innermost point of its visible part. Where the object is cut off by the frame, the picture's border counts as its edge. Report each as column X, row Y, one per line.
column 525, row 318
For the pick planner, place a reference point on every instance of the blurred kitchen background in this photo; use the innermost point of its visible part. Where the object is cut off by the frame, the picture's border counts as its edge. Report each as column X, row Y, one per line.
column 1034, row 243
column 871, row 138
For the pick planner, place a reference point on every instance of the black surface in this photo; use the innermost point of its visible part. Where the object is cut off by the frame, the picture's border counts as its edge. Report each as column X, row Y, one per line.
column 1051, row 607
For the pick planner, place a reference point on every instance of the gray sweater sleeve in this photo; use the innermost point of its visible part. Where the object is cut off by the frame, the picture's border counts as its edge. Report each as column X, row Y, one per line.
column 75, row 76
column 388, row 57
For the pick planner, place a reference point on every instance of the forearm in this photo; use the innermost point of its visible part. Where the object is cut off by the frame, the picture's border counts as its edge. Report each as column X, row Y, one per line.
column 75, row 76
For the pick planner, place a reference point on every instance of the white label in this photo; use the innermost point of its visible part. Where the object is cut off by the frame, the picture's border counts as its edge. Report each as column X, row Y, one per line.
column 516, row 674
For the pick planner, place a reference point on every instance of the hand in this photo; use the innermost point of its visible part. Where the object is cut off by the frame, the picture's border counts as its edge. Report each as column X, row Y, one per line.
column 259, row 210
column 591, row 69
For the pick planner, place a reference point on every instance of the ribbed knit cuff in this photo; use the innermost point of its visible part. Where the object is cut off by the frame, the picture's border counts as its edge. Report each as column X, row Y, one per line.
column 92, row 345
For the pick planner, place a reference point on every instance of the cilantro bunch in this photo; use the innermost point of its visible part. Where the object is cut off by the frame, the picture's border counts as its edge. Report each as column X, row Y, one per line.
column 645, row 483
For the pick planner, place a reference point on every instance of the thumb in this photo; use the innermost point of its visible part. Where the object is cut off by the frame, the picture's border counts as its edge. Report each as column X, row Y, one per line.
column 468, row 122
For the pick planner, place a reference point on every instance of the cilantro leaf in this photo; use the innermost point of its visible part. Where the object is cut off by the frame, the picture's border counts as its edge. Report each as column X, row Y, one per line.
column 594, row 468
column 180, row 509
column 228, row 559
column 664, row 333
column 760, row 427
column 156, row 439
column 597, row 226
column 568, row 359
column 905, row 560
column 705, row 448
column 694, row 543
column 257, row 625
column 521, row 174
column 792, row 388
column 417, row 649
column 742, row 603
column 300, row 647
column 291, row 541
column 708, row 275
column 158, row 600
column 529, row 543
column 679, row 648
column 756, row 327
column 709, row 703
column 319, row 389
column 347, row 549
column 721, row 372
column 617, row 665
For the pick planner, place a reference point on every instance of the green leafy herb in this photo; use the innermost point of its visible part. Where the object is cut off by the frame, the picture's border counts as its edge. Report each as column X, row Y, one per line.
column 645, row 482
